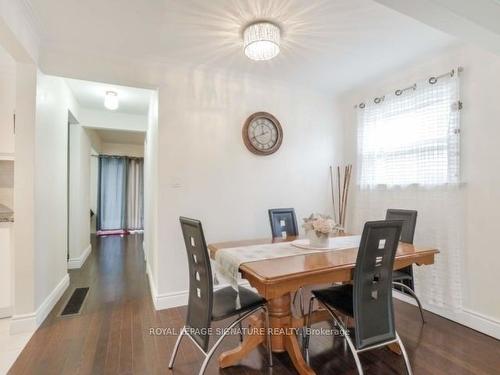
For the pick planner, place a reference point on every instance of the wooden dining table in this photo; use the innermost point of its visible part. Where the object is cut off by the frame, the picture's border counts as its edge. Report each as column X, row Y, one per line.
column 278, row 278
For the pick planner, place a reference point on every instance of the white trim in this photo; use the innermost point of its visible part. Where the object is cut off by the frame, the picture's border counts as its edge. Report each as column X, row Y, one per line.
column 169, row 300
column 5, row 312
column 75, row 263
column 175, row 299
column 466, row 317
column 403, row 297
column 30, row 322
column 481, row 323
column 152, row 286
column 7, row 156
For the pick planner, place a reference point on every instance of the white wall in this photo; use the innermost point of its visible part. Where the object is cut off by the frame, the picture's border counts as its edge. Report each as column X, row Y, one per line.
column 93, row 182
column 206, row 172
column 151, row 195
column 480, row 161
column 112, row 120
column 18, row 33
column 24, row 187
column 80, row 203
column 54, row 100
column 122, row 149
column 7, row 102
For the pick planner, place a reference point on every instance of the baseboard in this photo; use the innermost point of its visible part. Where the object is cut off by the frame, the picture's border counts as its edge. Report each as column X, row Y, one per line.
column 466, row 317
column 75, row 263
column 30, row 322
column 5, row 312
column 152, row 285
column 403, row 297
column 481, row 323
column 175, row 299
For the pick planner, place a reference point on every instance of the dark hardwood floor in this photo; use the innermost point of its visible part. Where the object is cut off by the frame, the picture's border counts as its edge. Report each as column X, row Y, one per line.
column 112, row 333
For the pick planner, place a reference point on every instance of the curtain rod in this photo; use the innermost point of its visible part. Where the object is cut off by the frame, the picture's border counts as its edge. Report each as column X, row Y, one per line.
column 398, row 92
column 117, row 156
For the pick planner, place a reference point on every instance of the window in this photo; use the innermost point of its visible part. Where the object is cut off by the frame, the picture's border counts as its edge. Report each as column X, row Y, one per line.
column 411, row 136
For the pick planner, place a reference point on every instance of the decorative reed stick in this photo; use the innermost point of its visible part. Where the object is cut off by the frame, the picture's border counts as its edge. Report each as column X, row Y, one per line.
column 343, row 183
column 332, row 185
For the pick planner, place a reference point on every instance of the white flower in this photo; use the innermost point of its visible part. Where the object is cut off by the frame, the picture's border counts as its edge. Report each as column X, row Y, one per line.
column 321, row 224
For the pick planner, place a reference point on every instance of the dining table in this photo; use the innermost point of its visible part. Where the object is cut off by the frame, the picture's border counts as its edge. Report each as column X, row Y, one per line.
column 277, row 279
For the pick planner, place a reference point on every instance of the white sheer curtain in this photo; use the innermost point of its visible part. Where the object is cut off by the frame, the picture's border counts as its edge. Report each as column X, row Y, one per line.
column 408, row 157
column 135, row 194
column 412, row 136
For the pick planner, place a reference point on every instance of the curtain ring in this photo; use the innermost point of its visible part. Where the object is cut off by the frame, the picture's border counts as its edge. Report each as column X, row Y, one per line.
column 361, row 105
column 433, row 80
column 377, row 100
column 398, row 92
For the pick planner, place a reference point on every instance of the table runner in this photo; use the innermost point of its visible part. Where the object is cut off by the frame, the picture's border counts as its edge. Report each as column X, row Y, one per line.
column 228, row 261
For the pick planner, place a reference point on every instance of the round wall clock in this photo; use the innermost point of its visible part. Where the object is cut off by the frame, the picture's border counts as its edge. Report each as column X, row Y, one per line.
column 262, row 133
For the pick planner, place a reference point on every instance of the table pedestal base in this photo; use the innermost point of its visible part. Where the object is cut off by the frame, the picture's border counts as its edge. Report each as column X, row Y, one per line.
column 284, row 335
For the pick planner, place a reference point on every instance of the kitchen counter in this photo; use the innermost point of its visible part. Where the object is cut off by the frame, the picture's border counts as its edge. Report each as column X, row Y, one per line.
column 6, row 214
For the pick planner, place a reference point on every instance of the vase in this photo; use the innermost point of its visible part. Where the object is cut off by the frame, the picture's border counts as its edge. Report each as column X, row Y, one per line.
column 316, row 240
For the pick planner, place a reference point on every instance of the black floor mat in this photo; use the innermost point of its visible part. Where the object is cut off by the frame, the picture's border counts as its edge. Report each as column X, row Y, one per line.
column 75, row 302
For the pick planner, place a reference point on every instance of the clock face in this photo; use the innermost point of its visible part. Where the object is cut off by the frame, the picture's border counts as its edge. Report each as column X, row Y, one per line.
column 262, row 133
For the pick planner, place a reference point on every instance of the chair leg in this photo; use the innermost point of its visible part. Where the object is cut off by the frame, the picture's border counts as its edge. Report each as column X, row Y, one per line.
column 240, row 327
column 176, row 348
column 409, row 290
column 268, row 338
column 301, row 300
column 345, row 332
column 307, row 333
column 299, row 294
column 218, row 342
column 405, row 355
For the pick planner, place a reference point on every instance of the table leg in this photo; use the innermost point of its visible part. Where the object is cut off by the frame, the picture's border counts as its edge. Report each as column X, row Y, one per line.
column 283, row 328
column 284, row 333
column 395, row 348
column 250, row 342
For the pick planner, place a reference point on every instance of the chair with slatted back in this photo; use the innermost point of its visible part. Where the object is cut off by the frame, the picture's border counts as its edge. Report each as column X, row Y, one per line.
column 206, row 305
column 369, row 298
column 283, row 222
column 403, row 278
column 284, row 225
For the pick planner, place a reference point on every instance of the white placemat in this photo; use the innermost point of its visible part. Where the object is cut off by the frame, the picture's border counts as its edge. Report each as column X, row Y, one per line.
column 334, row 243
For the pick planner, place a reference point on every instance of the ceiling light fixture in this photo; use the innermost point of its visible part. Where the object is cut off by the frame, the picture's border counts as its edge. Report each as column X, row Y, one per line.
column 261, row 40
column 111, row 100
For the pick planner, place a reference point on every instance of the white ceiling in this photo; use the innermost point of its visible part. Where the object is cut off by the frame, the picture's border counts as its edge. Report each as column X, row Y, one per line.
column 476, row 22
column 120, row 136
column 326, row 44
column 91, row 95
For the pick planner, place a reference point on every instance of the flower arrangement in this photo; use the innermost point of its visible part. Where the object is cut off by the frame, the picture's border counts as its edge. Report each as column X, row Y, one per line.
column 318, row 228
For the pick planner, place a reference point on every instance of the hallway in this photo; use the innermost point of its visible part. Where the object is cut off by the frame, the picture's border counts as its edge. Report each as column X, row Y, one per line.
column 111, row 335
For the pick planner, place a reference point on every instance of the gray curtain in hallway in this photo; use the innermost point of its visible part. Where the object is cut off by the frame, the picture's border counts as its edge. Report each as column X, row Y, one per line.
column 112, row 192
column 135, row 194
column 121, row 193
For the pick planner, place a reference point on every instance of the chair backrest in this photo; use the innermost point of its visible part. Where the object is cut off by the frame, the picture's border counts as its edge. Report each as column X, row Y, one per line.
column 409, row 218
column 372, row 284
column 200, row 302
column 283, row 222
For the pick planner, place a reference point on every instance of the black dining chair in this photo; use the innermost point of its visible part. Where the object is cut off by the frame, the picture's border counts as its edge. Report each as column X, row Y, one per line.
column 283, row 225
column 283, row 222
column 206, row 305
column 368, row 300
column 402, row 279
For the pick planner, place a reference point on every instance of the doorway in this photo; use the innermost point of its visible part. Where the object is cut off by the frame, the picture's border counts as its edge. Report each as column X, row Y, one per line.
column 120, row 195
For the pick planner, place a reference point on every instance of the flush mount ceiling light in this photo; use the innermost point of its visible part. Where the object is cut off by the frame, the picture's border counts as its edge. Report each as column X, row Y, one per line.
column 111, row 100
column 261, row 41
